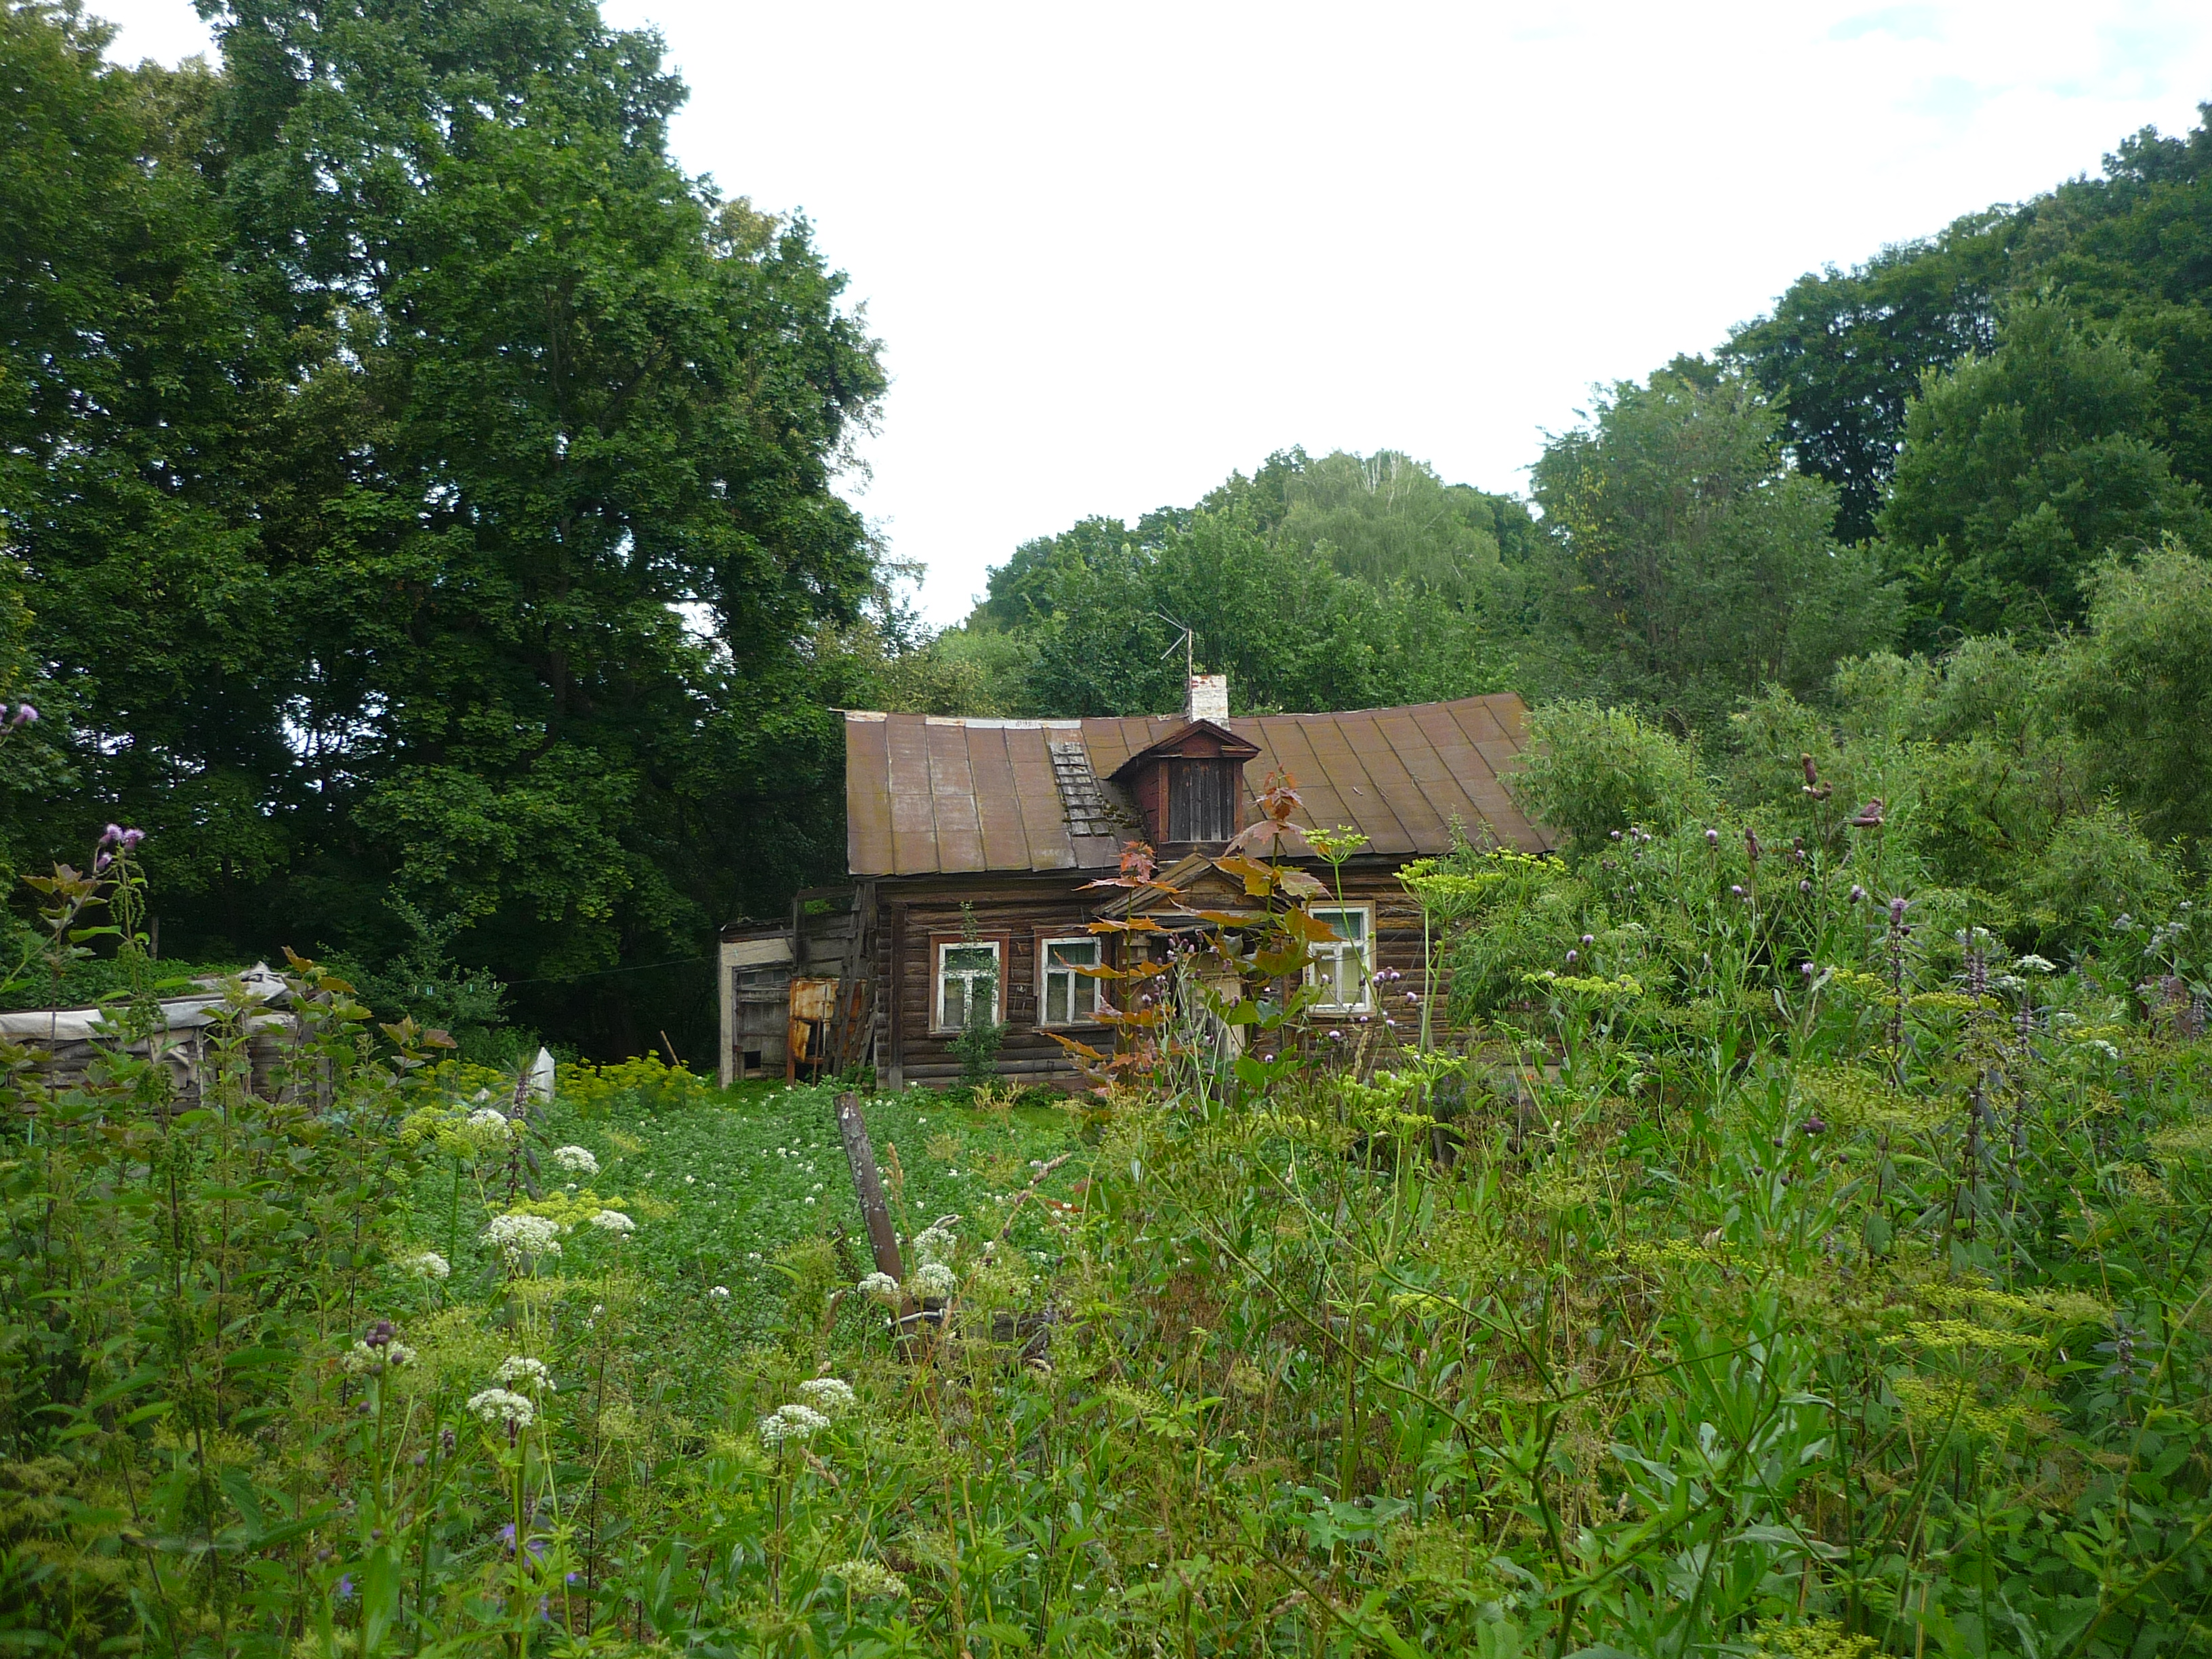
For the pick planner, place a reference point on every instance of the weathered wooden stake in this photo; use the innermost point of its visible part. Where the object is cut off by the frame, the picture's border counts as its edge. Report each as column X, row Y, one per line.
column 860, row 1153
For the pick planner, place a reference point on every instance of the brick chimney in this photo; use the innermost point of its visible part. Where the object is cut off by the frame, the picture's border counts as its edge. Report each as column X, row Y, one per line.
column 1209, row 699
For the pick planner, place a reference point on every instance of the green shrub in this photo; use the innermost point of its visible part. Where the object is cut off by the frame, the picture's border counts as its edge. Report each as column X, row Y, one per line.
column 1590, row 771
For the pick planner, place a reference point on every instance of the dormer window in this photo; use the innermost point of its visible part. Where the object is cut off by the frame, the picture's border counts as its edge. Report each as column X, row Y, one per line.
column 1202, row 799
column 1189, row 786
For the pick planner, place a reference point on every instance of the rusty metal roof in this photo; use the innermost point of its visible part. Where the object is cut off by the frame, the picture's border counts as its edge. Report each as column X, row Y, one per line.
column 925, row 794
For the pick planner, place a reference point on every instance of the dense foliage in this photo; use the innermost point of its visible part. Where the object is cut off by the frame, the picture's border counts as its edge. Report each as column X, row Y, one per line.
column 2127, row 255
column 421, row 494
column 1767, row 1258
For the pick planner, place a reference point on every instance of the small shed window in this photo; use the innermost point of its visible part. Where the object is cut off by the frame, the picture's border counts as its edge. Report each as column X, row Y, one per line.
column 967, row 985
column 1070, row 997
column 1202, row 799
column 1340, row 966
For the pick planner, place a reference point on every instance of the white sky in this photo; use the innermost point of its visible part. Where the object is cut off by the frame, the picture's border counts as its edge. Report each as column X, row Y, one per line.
column 1114, row 253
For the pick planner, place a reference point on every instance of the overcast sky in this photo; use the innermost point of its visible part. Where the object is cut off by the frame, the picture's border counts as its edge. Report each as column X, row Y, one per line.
column 1113, row 253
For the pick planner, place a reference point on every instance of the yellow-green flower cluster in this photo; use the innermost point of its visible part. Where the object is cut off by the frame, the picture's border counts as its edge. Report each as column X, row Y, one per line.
column 591, row 1088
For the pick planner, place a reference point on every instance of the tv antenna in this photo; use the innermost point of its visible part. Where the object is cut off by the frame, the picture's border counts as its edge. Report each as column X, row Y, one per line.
column 1189, row 660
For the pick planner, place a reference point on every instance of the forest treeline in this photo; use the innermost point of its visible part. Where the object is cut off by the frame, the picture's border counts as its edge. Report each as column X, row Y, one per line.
column 1947, row 442
column 421, row 516
column 1946, row 507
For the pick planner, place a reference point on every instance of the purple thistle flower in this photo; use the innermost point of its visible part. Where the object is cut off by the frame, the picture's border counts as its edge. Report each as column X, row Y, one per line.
column 1815, row 1125
column 1738, row 891
column 1589, row 938
column 1571, row 956
column 131, row 838
column 1897, row 912
column 1857, row 894
column 101, row 863
column 345, row 1587
column 1712, row 838
column 1804, row 886
column 25, row 715
column 110, row 836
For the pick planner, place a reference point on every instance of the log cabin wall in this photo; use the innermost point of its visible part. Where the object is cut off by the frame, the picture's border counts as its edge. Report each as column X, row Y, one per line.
column 913, row 917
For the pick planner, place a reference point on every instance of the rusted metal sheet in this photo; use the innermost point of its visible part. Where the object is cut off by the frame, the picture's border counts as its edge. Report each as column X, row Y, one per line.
column 926, row 795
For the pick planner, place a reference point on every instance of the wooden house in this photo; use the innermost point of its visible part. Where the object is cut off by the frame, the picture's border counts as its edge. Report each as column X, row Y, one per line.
column 969, row 843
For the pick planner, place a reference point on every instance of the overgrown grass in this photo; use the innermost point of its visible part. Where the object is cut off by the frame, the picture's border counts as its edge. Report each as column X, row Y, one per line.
column 746, row 1192
column 1778, row 1275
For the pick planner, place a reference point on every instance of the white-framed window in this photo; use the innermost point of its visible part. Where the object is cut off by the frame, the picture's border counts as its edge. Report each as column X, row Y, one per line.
column 1068, row 998
column 1342, row 966
column 967, row 984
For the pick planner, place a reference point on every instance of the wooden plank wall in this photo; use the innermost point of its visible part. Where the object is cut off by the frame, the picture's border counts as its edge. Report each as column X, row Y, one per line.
column 910, row 914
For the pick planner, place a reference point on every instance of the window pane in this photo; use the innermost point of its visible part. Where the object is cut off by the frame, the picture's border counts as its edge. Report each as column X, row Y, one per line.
column 1349, row 924
column 970, row 958
column 952, row 1006
column 1087, row 996
column 1056, row 998
column 1083, row 951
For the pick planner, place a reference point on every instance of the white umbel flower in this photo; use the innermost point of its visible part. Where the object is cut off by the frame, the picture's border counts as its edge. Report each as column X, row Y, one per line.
column 500, row 1406
column 934, row 1282
column 880, row 1287
column 615, row 1222
column 799, row 1423
column 428, row 1264
column 935, row 1243
column 530, row 1373
column 575, row 1161
column 488, row 1129
column 521, row 1236
column 866, row 1578
column 829, row 1394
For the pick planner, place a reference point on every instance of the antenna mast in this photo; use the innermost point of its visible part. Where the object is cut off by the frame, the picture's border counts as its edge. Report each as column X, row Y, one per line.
column 1189, row 657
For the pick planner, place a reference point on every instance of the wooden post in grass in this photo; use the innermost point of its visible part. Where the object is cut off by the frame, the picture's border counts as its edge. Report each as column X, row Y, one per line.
column 910, row 1330
column 860, row 1153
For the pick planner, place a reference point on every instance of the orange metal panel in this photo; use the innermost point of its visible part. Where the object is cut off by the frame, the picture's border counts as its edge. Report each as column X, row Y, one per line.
column 1461, row 764
column 1383, row 740
column 1290, row 752
column 952, row 798
column 1356, row 786
column 912, row 814
column 1044, row 820
column 1104, row 742
column 1006, row 842
column 867, row 799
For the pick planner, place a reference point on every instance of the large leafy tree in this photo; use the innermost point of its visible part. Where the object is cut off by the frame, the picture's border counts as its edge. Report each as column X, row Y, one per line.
column 523, row 527
column 1695, row 565
column 2021, row 470
column 2137, row 685
column 1337, row 583
column 1844, row 351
